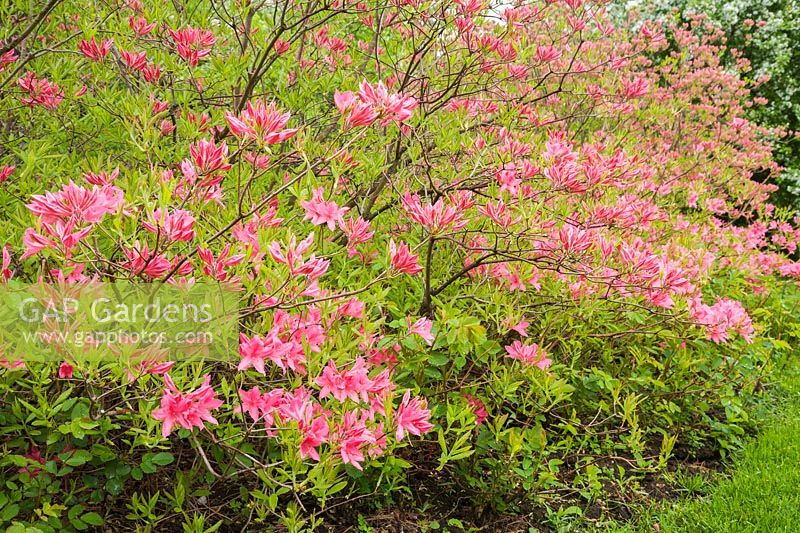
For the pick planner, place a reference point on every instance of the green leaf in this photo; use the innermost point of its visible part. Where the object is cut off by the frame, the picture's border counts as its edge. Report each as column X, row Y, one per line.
column 162, row 458
column 93, row 519
column 438, row 359
column 10, row 512
column 114, row 486
column 78, row 458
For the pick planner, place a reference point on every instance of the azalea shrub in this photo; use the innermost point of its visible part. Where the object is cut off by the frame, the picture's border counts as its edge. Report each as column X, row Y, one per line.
column 512, row 258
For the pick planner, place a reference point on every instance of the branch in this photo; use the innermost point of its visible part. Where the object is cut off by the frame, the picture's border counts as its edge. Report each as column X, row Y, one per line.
column 24, row 35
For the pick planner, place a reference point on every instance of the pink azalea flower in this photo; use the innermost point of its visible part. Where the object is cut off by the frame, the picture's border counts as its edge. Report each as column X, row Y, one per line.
column 7, row 58
column 186, row 410
column 315, row 433
column 150, row 264
column 5, row 270
column 421, row 327
column 175, row 226
column 193, row 44
column 5, row 172
column 260, row 406
column 256, row 350
column 352, row 435
column 353, row 383
column 478, row 408
column 520, row 327
column 95, row 51
column 73, row 202
column 372, row 102
column 530, row 354
column 59, row 235
column 140, row 26
column 34, row 243
column 208, row 157
column 721, row 318
column 134, row 60
column 357, row 231
column 102, row 179
column 573, row 239
column 402, row 260
column 261, row 123
column 65, row 371
column 251, row 403
column 319, row 211
column 40, row 92
column 217, row 267
column 412, row 416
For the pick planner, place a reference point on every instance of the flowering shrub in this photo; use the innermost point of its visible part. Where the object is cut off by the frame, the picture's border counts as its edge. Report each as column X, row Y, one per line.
column 515, row 253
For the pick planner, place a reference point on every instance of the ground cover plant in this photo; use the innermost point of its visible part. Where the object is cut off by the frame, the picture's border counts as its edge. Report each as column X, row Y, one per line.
column 494, row 265
column 760, row 494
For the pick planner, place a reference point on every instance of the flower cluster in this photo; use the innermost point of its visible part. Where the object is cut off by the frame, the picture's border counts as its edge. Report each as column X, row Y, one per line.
column 373, row 102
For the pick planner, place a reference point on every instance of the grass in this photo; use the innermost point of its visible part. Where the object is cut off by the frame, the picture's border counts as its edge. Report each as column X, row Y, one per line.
column 763, row 490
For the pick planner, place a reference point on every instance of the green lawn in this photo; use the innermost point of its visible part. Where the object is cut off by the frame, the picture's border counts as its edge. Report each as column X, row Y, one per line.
column 763, row 491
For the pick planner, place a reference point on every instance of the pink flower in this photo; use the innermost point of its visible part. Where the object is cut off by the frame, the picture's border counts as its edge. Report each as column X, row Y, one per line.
column 635, row 88
column 166, row 127
column 352, row 435
column 95, row 51
column 357, row 231
column 65, row 371
column 520, row 327
column 478, row 408
column 435, row 218
column 530, row 354
column 175, row 226
column 353, row 308
column 260, row 406
column 392, row 106
column 251, row 403
column 261, row 123
column 142, row 261
column 186, row 410
column 73, row 202
column 40, row 92
column 314, row 434
column 151, row 73
column 217, row 267
column 256, row 350
column 373, row 102
column 281, row 46
column 546, row 53
column 8, row 58
column 5, row 172
column 421, row 327
column 134, row 60
column 719, row 319
column 208, row 157
column 498, row 213
column 34, row 243
column 103, row 178
column 353, row 383
column 318, row 211
column 62, row 236
column 573, row 239
column 5, row 270
column 193, row 44
column 156, row 367
column 412, row 416
column 402, row 260
column 140, row 26
column 312, row 268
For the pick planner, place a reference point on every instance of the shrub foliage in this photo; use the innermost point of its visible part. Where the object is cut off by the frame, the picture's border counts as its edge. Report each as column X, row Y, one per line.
column 508, row 255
